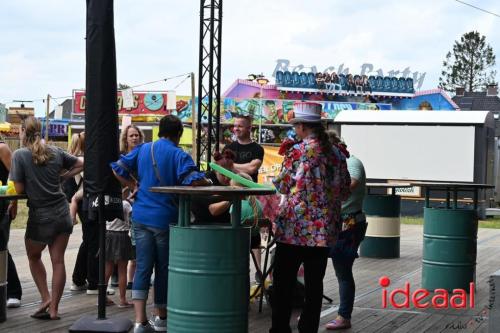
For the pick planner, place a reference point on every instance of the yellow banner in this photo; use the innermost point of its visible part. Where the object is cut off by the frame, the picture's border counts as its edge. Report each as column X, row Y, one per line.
column 271, row 165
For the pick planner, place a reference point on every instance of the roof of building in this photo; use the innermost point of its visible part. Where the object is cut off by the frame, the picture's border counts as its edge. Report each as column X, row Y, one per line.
column 477, row 101
column 440, row 92
column 414, row 117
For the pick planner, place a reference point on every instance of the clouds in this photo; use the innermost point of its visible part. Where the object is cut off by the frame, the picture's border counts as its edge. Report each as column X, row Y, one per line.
column 42, row 45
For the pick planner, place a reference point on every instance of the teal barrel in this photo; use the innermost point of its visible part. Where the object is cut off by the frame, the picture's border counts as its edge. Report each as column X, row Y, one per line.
column 208, row 282
column 450, row 246
column 383, row 231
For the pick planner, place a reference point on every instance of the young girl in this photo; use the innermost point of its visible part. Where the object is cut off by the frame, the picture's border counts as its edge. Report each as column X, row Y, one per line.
column 77, row 148
column 119, row 250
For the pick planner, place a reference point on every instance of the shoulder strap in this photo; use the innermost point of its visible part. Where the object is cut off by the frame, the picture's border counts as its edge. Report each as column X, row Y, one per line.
column 157, row 172
column 155, row 166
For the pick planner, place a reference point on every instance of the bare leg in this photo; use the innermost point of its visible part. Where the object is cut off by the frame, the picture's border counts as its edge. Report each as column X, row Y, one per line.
column 108, row 271
column 34, row 252
column 122, row 280
column 56, row 250
column 140, row 310
column 73, row 206
column 131, row 270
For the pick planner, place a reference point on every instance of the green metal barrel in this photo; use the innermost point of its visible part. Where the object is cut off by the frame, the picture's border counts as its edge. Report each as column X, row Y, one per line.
column 383, row 231
column 208, row 282
column 450, row 246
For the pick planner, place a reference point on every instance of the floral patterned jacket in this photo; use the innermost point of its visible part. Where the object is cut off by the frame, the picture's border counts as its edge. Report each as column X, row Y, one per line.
column 315, row 185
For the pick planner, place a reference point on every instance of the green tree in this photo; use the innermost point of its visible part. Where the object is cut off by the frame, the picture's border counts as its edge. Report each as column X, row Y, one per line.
column 122, row 86
column 469, row 65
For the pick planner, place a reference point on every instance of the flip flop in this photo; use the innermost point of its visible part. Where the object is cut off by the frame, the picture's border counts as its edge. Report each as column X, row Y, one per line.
column 109, row 302
column 44, row 316
column 41, row 315
column 126, row 305
column 41, row 312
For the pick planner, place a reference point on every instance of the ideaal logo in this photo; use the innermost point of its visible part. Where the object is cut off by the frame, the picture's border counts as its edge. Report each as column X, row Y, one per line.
column 440, row 300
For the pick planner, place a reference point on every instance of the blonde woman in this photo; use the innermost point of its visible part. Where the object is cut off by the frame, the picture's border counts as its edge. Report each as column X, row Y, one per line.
column 130, row 137
column 77, row 148
column 36, row 170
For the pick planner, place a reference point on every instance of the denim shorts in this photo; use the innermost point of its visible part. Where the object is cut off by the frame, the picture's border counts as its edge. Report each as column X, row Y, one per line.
column 45, row 224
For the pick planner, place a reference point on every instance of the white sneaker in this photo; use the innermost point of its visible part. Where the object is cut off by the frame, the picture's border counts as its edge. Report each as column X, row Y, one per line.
column 109, row 291
column 75, row 287
column 140, row 328
column 92, row 292
column 13, row 303
column 158, row 324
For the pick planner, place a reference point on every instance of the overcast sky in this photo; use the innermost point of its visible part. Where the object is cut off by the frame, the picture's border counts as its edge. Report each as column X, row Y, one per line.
column 42, row 45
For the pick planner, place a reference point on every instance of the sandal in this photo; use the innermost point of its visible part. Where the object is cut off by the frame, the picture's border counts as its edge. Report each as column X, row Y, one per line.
column 109, row 302
column 125, row 305
column 338, row 323
column 42, row 311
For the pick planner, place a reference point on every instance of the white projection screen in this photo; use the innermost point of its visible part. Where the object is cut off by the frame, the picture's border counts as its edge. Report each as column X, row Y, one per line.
column 433, row 153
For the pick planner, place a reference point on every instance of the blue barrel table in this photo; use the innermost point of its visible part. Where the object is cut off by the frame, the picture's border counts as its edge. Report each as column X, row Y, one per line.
column 208, row 282
column 382, row 211
column 450, row 238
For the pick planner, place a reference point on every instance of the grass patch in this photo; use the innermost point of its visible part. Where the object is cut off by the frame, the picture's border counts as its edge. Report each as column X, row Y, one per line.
column 22, row 215
column 412, row 220
column 492, row 223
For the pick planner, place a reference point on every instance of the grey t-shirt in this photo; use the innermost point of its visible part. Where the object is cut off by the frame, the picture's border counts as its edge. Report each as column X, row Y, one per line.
column 354, row 203
column 42, row 183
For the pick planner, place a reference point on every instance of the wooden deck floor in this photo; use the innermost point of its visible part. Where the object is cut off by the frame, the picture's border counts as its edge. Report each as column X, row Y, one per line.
column 368, row 314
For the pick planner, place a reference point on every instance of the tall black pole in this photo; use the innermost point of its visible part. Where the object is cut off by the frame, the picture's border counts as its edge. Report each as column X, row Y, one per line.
column 102, row 191
column 101, row 128
column 101, row 310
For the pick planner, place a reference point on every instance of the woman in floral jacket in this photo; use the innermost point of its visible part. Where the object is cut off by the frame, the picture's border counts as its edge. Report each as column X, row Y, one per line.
column 315, row 180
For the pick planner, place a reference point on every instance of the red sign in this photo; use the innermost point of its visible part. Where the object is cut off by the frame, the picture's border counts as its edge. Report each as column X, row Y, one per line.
column 145, row 103
column 440, row 300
